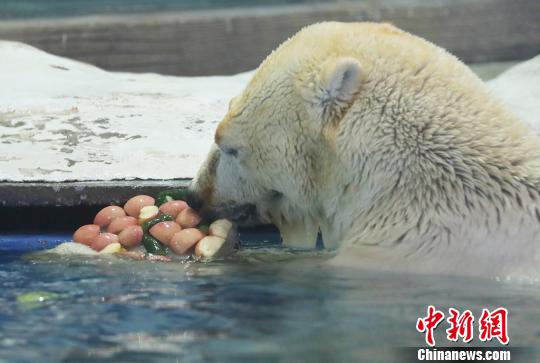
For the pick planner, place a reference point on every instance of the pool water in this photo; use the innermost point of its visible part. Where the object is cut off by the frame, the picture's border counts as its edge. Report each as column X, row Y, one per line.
column 264, row 304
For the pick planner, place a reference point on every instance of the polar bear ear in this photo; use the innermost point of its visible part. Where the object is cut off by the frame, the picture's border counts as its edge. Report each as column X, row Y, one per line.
column 341, row 79
column 332, row 90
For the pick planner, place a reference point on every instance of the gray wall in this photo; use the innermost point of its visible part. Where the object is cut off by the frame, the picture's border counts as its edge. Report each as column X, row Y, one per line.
column 235, row 40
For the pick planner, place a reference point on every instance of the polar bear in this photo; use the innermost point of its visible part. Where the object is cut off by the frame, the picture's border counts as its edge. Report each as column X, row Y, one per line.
column 388, row 146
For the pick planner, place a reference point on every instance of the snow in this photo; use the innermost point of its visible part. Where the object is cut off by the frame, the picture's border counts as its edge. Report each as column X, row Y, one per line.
column 64, row 120
column 519, row 90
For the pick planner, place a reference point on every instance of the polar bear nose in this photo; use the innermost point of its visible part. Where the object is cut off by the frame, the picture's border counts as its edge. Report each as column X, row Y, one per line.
column 193, row 200
column 244, row 212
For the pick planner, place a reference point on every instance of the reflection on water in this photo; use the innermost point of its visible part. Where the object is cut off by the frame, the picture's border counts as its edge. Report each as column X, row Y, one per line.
column 263, row 304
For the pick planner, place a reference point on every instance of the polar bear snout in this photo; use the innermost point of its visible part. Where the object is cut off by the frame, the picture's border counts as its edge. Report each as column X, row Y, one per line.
column 243, row 214
column 201, row 190
column 218, row 191
column 240, row 213
column 194, row 201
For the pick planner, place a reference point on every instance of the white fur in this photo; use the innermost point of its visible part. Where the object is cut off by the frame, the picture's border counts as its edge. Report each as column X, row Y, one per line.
column 390, row 146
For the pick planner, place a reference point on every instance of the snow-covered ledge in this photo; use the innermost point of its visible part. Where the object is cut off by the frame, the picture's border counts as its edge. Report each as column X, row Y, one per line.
column 519, row 89
column 62, row 120
column 65, row 124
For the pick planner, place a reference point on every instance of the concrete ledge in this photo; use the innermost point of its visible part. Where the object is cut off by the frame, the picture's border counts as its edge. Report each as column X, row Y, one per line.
column 70, row 194
column 235, row 40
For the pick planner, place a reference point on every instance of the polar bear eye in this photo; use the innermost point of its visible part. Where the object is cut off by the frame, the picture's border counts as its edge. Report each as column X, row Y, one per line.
column 230, row 151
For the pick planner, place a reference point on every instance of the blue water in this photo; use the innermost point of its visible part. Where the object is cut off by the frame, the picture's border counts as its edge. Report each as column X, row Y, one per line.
column 27, row 242
column 264, row 304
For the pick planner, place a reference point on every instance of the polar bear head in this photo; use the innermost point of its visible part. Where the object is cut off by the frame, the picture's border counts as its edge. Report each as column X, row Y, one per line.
column 272, row 143
column 362, row 126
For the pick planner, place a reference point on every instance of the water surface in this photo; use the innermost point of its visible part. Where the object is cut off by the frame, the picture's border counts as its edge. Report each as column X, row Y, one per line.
column 265, row 304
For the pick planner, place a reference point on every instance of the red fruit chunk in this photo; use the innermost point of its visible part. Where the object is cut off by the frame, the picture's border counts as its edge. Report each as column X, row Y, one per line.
column 86, row 234
column 107, row 214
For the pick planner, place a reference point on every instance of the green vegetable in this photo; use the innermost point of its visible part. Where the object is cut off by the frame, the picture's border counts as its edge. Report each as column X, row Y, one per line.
column 34, row 299
column 169, row 195
column 153, row 246
column 162, row 199
column 36, row 296
column 151, row 223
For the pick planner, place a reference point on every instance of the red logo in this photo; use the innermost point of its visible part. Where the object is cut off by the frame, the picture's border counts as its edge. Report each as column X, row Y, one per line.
column 490, row 326
column 493, row 325
column 430, row 323
column 460, row 326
